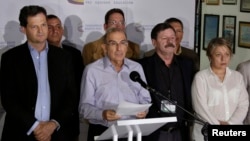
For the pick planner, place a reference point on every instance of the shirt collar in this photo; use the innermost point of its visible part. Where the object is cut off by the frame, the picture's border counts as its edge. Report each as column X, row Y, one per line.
column 107, row 63
column 228, row 72
column 160, row 61
column 33, row 49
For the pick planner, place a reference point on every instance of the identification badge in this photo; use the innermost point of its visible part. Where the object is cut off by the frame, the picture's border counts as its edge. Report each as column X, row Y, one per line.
column 167, row 107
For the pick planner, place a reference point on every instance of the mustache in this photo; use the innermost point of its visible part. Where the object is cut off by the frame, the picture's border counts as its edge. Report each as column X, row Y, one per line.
column 170, row 45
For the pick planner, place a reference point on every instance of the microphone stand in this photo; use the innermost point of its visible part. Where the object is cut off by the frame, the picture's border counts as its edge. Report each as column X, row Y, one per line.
column 204, row 129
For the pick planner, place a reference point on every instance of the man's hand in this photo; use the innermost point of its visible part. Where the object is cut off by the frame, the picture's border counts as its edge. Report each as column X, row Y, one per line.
column 223, row 122
column 44, row 130
column 110, row 115
column 141, row 114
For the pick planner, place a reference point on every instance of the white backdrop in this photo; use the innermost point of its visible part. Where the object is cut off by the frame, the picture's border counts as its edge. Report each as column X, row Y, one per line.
column 83, row 19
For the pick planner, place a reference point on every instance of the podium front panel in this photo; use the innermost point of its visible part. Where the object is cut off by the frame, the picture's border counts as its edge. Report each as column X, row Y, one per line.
column 146, row 126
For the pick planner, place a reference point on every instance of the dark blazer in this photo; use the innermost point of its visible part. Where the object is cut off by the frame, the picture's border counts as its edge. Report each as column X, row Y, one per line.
column 18, row 83
column 187, row 72
column 77, row 61
column 78, row 66
column 185, row 52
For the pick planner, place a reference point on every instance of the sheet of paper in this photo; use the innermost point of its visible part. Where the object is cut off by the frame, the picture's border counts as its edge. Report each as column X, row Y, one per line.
column 128, row 108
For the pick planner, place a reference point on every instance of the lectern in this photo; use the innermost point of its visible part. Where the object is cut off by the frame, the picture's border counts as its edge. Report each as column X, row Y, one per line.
column 134, row 128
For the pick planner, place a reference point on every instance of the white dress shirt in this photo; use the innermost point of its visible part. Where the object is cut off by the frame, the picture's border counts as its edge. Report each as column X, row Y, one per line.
column 214, row 100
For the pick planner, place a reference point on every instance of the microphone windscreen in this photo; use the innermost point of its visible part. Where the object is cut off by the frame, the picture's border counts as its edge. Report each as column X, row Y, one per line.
column 134, row 75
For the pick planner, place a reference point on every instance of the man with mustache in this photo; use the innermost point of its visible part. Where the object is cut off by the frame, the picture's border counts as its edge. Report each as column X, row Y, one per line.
column 171, row 75
column 178, row 26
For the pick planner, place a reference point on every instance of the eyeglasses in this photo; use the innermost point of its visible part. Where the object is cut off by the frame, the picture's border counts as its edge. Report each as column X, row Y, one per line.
column 116, row 22
column 123, row 43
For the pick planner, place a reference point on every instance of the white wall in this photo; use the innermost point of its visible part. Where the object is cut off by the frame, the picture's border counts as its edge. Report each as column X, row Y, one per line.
column 84, row 19
column 241, row 54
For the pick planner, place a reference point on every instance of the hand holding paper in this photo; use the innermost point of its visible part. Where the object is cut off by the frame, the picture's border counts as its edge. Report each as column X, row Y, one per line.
column 110, row 115
column 128, row 108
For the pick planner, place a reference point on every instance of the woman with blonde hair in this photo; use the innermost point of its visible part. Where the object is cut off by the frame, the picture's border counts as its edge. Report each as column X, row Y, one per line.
column 219, row 95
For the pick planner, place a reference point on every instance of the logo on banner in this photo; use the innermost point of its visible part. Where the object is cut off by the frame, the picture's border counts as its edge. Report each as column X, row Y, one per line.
column 80, row 2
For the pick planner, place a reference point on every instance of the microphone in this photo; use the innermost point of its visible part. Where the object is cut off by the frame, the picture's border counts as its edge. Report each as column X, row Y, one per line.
column 135, row 76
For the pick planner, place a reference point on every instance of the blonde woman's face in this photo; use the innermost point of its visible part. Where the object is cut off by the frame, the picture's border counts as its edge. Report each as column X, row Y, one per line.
column 220, row 57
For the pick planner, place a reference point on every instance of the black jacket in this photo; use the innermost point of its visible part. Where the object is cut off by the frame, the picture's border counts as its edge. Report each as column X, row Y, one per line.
column 19, row 88
column 152, row 68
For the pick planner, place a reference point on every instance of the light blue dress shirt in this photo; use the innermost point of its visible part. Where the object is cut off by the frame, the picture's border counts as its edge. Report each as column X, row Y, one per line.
column 104, row 88
column 42, row 110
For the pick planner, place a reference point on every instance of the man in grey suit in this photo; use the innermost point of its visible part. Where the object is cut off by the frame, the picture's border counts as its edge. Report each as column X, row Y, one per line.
column 37, row 85
column 244, row 68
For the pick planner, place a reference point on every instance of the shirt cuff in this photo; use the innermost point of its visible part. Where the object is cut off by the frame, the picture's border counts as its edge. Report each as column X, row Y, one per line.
column 32, row 128
column 99, row 115
column 57, row 124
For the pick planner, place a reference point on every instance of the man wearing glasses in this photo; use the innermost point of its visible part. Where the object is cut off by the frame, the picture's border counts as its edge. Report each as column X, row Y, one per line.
column 114, row 18
column 106, row 83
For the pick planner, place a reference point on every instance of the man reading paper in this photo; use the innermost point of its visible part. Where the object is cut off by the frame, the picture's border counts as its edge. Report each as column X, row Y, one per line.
column 106, row 83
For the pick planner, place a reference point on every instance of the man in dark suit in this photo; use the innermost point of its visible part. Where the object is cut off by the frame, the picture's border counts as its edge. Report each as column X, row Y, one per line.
column 55, row 34
column 171, row 75
column 37, row 85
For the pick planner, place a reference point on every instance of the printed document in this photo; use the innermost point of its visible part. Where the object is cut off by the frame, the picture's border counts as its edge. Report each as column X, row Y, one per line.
column 128, row 108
